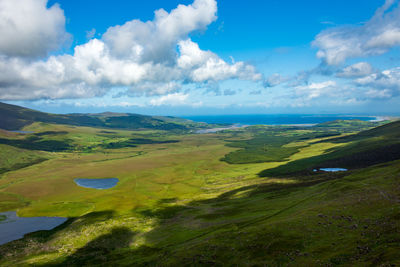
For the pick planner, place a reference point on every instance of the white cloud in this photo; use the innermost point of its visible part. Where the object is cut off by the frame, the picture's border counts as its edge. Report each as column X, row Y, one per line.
column 326, row 93
column 374, row 86
column 316, row 90
column 152, row 89
column 155, row 41
column 378, row 94
column 175, row 99
column 374, row 37
column 151, row 58
column 205, row 66
column 356, row 70
column 29, row 29
column 383, row 84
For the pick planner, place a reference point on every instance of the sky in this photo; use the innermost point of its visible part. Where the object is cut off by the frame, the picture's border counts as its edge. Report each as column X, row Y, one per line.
column 199, row 57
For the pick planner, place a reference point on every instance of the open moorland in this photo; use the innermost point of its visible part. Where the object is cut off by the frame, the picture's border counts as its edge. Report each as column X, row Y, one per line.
column 252, row 196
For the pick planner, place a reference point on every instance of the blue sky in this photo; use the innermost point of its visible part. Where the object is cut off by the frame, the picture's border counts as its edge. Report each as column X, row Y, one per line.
column 201, row 56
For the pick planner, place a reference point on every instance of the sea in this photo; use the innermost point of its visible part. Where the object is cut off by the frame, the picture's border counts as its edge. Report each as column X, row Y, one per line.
column 275, row 119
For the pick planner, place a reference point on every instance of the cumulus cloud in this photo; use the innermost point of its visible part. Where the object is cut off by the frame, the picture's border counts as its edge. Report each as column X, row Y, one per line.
column 383, row 84
column 29, row 29
column 356, row 70
column 315, row 90
column 175, row 99
column 301, row 78
column 206, row 66
column 151, row 58
column 374, row 85
column 374, row 37
column 156, row 40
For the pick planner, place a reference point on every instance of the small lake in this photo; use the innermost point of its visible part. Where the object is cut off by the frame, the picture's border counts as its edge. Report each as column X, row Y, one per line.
column 331, row 169
column 13, row 227
column 103, row 183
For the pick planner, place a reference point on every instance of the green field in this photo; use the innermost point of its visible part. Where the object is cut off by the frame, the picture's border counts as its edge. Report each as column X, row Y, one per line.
column 244, row 197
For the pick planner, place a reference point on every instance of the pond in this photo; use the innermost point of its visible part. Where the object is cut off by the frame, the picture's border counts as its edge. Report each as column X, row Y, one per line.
column 102, row 183
column 331, row 169
column 13, row 227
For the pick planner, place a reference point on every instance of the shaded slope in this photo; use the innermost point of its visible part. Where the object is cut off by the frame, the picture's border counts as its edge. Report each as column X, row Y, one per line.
column 342, row 124
column 15, row 117
column 378, row 145
column 13, row 158
column 270, row 144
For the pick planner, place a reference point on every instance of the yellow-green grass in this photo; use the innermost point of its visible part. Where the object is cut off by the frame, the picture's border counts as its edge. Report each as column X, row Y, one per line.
column 176, row 196
column 187, row 170
column 144, row 179
column 349, row 220
column 12, row 158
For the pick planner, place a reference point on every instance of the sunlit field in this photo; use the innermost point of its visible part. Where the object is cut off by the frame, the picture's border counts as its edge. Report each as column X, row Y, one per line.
column 172, row 196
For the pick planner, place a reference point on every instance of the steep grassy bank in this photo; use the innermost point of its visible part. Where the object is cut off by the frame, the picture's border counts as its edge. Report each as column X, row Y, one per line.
column 278, row 143
column 363, row 149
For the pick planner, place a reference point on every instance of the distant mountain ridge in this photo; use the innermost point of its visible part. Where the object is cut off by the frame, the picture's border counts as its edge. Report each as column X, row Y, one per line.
column 14, row 117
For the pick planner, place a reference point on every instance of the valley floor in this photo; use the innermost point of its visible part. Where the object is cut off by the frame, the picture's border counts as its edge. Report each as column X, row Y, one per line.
column 181, row 201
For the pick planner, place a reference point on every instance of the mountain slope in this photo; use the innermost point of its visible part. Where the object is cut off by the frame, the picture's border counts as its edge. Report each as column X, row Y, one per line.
column 366, row 148
column 14, row 117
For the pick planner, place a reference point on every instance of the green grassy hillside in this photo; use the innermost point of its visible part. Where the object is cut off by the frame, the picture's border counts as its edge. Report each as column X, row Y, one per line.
column 269, row 144
column 15, row 118
column 178, row 204
column 12, row 158
column 377, row 145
